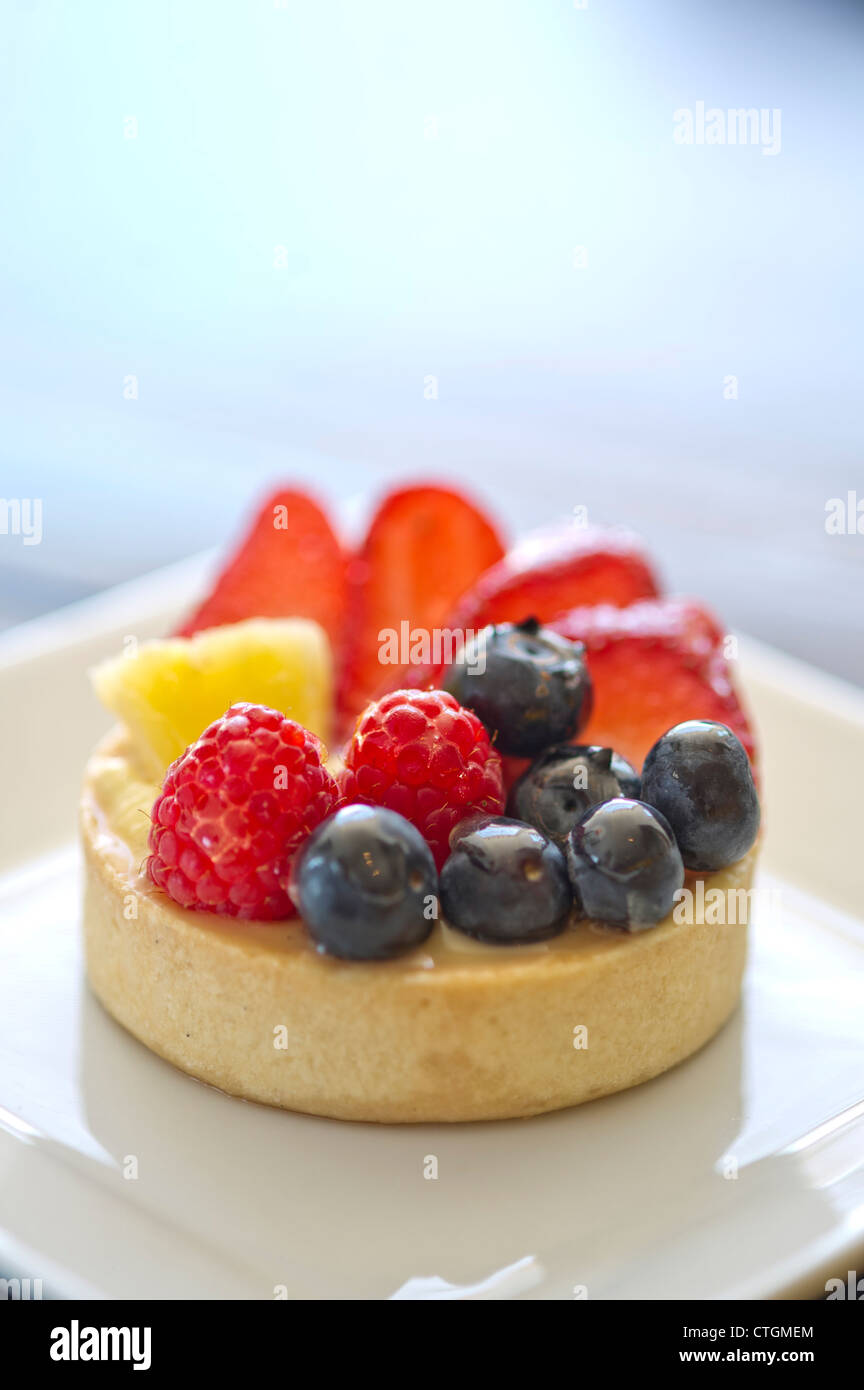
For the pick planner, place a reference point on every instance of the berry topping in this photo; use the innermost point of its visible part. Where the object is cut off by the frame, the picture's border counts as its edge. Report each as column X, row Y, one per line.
column 424, row 547
column 233, row 810
column 529, row 686
column 564, row 782
column 505, row 882
column 698, row 774
column 557, row 569
column 653, row 664
column 289, row 564
column 624, row 864
column 366, row 883
column 421, row 754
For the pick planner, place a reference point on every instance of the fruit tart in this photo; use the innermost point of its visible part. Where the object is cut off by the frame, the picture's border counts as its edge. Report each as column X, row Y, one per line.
column 424, row 829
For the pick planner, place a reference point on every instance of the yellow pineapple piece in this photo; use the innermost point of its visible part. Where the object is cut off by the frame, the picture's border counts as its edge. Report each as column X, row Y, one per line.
column 166, row 692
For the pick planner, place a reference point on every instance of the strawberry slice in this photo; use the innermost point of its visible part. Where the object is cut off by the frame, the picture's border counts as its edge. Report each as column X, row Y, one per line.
column 555, row 570
column 425, row 546
column 653, row 665
column 288, row 565
column 547, row 574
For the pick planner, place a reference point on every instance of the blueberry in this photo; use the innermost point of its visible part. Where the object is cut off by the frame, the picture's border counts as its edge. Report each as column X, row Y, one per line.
column 534, row 689
column 362, row 881
column 504, row 882
column 564, row 781
column 624, row 864
column 698, row 774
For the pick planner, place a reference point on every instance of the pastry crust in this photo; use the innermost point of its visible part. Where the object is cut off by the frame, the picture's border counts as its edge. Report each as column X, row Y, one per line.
column 454, row 1031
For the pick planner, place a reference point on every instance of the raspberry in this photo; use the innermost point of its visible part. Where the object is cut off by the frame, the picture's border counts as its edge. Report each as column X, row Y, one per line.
column 421, row 754
column 233, row 810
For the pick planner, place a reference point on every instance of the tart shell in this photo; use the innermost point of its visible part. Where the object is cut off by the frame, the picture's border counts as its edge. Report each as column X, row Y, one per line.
column 455, row 1031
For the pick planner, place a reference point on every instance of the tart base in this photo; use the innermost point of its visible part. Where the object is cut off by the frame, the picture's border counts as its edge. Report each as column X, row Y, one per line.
column 456, row 1031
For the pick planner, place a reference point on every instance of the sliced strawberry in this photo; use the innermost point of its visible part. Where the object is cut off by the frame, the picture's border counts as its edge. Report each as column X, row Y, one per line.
column 288, row 565
column 544, row 576
column 680, row 621
column 555, row 570
column 653, row 665
column 425, row 546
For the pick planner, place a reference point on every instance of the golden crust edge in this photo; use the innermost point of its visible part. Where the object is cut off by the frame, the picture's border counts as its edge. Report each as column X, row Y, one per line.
column 385, row 1044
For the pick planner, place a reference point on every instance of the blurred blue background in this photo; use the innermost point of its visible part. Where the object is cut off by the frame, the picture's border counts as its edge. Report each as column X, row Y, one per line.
column 283, row 220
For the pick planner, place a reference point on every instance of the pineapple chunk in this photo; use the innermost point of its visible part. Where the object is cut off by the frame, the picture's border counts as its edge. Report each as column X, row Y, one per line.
column 167, row 692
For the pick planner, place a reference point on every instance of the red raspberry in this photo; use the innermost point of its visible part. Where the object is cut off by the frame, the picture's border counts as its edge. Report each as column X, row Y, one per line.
column 421, row 754
column 233, row 810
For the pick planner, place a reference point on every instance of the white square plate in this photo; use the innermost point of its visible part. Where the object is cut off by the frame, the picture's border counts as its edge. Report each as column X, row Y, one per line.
column 738, row 1174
